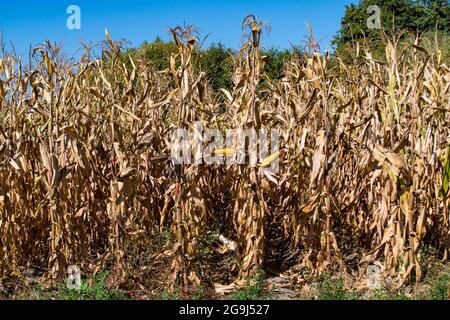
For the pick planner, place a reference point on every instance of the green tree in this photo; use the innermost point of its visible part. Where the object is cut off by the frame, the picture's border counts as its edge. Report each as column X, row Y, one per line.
column 418, row 16
column 215, row 60
column 217, row 63
column 277, row 60
column 157, row 53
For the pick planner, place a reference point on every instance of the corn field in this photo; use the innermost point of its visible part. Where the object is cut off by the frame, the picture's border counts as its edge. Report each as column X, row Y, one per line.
column 364, row 161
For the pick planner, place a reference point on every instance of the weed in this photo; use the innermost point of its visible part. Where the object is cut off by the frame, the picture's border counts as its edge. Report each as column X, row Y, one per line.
column 381, row 294
column 97, row 291
column 253, row 289
column 199, row 293
column 333, row 289
column 166, row 294
column 440, row 288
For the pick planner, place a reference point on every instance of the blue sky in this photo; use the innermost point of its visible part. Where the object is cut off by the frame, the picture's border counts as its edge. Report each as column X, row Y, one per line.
column 25, row 22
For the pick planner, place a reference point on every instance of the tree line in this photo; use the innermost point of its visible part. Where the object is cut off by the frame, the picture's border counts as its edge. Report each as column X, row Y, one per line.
column 426, row 18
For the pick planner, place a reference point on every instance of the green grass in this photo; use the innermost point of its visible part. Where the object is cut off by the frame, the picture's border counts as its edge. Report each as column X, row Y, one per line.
column 253, row 289
column 437, row 277
column 333, row 289
column 440, row 287
column 199, row 293
column 166, row 294
column 381, row 294
column 97, row 291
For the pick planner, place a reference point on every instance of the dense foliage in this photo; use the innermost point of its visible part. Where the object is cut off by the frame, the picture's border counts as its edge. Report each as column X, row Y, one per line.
column 216, row 60
column 421, row 17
